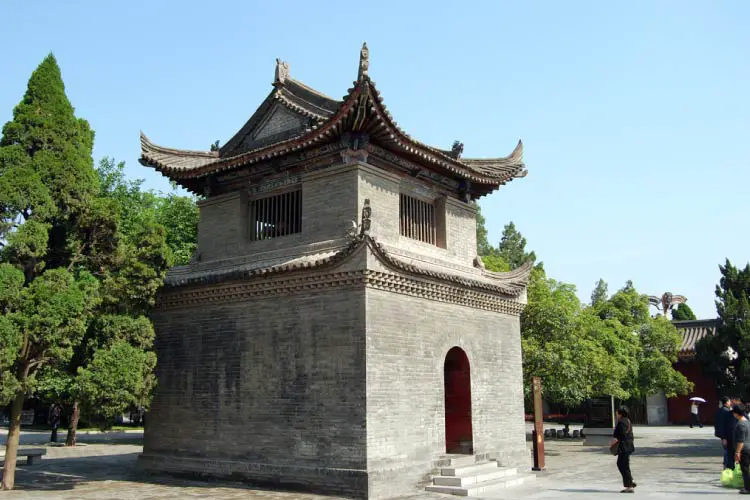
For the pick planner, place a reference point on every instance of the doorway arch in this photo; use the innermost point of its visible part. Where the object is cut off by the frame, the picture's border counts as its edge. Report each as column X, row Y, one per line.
column 457, row 383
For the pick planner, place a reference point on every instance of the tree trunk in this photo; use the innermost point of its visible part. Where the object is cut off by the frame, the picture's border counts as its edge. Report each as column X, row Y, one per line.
column 11, row 447
column 73, row 427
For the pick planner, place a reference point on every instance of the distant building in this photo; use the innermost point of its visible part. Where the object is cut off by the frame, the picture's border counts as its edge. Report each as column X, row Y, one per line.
column 679, row 407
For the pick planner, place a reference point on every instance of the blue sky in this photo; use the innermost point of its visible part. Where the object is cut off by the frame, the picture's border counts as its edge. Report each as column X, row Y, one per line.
column 635, row 115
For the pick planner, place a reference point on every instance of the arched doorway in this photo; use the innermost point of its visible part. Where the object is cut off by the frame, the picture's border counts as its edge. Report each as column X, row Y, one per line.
column 457, row 380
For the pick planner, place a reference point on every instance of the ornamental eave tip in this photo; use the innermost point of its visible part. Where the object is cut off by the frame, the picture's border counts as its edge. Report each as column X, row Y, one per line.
column 364, row 61
column 282, row 72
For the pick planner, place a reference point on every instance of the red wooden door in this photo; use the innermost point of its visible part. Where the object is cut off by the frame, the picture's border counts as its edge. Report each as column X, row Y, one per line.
column 457, row 377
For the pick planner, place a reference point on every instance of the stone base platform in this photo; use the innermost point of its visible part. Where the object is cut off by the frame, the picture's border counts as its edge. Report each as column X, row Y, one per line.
column 329, row 481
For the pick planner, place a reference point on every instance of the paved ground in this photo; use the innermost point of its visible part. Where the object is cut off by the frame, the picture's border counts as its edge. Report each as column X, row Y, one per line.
column 670, row 463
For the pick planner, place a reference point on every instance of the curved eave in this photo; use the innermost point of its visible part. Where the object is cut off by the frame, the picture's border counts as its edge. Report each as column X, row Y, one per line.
column 519, row 276
column 362, row 109
column 510, row 284
column 496, row 171
column 169, row 160
column 511, row 165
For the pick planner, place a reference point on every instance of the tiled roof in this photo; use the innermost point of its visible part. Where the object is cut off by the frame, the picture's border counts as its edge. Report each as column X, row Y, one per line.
column 510, row 284
column 163, row 158
column 692, row 331
column 362, row 110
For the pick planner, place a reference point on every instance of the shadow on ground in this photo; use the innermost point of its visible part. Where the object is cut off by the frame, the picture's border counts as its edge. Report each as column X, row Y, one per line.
column 67, row 473
column 669, row 448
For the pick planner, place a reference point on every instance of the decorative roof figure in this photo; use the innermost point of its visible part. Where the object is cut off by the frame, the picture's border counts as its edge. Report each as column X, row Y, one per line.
column 666, row 302
column 458, row 149
column 364, row 61
column 282, row 72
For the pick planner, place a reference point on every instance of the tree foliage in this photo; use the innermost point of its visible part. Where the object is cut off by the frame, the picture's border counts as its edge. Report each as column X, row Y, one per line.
column 600, row 293
column 484, row 248
column 683, row 313
column 726, row 356
column 611, row 347
column 82, row 254
column 512, row 247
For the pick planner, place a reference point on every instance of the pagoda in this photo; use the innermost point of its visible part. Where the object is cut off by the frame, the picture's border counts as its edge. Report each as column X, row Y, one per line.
column 335, row 330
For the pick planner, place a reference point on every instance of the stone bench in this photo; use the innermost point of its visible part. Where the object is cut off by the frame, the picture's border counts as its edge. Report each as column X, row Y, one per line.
column 31, row 454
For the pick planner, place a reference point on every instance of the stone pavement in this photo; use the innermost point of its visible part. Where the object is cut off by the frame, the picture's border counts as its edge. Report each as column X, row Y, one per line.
column 670, row 463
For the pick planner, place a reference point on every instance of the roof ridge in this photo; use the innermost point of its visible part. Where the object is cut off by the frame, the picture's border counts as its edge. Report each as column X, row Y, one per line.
column 311, row 90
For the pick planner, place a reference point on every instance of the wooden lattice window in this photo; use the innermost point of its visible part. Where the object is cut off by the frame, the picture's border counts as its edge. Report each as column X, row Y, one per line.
column 418, row 219
column 275, row 216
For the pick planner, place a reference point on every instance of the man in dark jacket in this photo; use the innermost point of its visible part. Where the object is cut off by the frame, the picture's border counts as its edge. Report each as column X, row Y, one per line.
column 721, row 422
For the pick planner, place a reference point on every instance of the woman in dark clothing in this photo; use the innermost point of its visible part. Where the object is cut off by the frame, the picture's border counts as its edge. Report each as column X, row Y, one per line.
column 625, row 447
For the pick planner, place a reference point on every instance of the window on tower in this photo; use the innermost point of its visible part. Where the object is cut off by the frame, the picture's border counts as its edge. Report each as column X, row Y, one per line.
column 419, row 219
column 276, row 216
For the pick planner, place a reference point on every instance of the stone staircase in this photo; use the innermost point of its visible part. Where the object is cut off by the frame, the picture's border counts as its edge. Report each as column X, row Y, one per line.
column 468, row 476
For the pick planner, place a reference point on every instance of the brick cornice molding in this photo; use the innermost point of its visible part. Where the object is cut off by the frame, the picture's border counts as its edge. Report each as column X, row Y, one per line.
column 189, row 297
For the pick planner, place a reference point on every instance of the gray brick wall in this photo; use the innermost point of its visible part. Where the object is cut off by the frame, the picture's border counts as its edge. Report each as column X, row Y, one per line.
column 276, row 382
column 331, row 199
column 329, row 205
column 407, row 341
column 382, row 189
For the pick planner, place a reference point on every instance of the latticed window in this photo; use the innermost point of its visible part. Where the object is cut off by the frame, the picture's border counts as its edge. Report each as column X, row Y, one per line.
column 418, row 219
column 276, row 216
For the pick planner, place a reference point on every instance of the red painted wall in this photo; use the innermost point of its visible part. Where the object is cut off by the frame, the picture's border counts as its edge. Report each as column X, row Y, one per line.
column 679, row 408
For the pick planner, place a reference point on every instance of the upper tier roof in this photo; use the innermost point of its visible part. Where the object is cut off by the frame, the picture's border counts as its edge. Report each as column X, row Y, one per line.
column 295, row 117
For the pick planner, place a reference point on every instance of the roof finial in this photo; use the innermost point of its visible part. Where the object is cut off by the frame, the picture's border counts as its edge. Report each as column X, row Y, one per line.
column 364, row 61
column 457, row 149
column 282, row 72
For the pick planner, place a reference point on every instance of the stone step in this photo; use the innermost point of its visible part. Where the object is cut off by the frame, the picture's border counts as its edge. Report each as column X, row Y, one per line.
column 457, row 460
column 469, row 470
column 474, row 478
column 483, row 487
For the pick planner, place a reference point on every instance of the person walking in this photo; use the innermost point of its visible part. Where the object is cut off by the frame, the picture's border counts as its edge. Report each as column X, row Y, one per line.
column 625, row 447
column 722, row 430
column 54, row 420
column 741, row 452
column 696, row 419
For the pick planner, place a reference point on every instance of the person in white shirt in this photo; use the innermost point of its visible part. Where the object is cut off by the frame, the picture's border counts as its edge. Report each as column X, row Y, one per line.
column 696, row 419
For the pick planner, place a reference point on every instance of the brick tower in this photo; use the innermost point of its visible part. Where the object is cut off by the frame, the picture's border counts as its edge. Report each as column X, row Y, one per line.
column 335, row 330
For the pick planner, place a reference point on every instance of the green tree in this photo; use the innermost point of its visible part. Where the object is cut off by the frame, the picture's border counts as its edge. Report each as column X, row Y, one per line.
column 576, row 353
column 683, row 313
column 50, row 231
column 45, row 323
column 600, row 293
column 483, row 245
column 129, row 281
column 140, row 208
column 512, row 247
column 495, row 263
column 179, row 215
column 658, row 341
column 725, row 357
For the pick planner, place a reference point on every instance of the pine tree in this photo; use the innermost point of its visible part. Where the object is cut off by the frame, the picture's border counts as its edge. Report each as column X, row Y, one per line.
column 725, row 357
column 483, row 245
column 683, row 313
column 49, row 231
column 600, row 293
column 513, row 247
